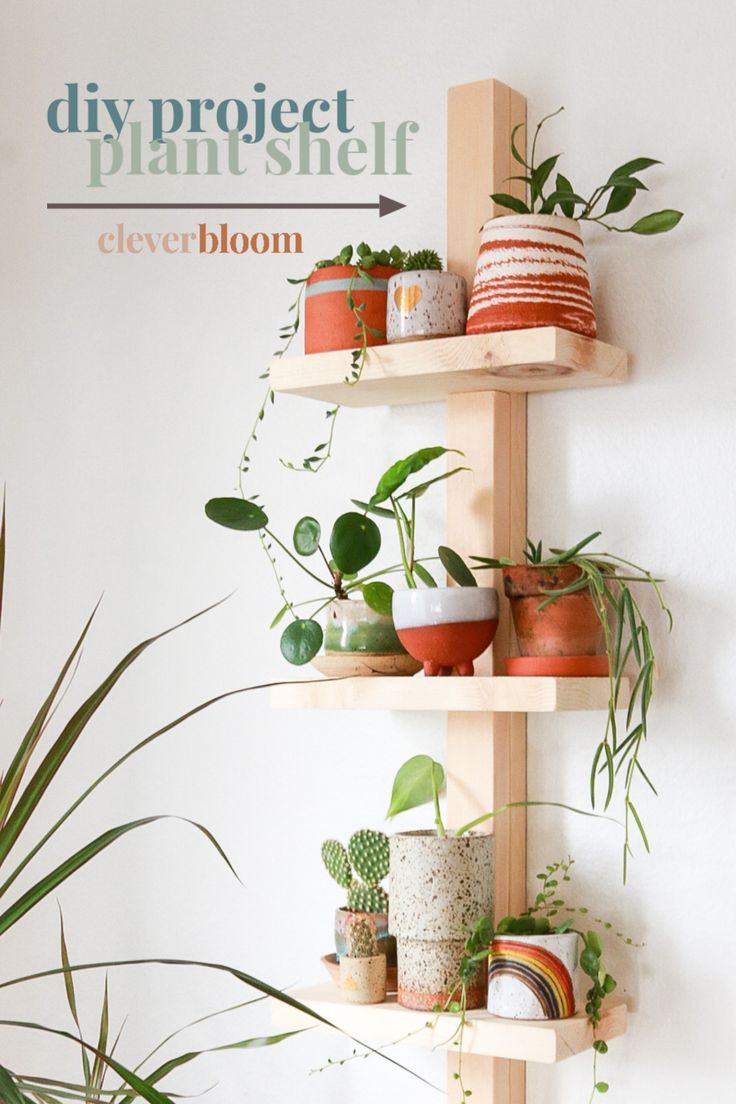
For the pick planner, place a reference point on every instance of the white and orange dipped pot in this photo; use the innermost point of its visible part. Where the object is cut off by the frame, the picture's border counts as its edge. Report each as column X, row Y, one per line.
column 446, row 628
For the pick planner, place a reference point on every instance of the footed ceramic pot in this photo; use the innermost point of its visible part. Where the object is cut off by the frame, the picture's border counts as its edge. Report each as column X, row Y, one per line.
column 532, row 977
column 328, row 321
column 440, row 887
column 446, row 628
column 425, row 303
column 568, row 627
column 378, row 921
column 363, row 980
column 531, row 271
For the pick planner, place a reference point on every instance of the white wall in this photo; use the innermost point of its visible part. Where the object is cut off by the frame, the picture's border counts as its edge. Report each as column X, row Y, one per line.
column 127, row 385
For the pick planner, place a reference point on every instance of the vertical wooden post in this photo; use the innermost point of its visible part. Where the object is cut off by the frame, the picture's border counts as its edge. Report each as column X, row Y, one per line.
column 486, row 753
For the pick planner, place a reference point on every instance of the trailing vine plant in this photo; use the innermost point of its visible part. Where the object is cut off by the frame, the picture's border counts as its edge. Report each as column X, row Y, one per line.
column 627, row 638
column 619, row 191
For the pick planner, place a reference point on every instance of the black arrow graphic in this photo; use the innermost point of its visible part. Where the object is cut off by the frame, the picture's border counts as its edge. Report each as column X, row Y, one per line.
column 385, row 206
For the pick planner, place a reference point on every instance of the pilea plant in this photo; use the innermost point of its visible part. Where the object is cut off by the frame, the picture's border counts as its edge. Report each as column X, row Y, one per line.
column 627, row 638
column 618, row 191
column 360, row 868
column 365, row 258
column 422, row 259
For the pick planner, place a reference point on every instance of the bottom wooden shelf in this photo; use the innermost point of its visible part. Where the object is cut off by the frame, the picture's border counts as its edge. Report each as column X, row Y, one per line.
column 381, row 1024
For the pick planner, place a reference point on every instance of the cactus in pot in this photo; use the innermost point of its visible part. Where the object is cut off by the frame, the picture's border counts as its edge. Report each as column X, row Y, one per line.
column 363, row 967
column 360, row 868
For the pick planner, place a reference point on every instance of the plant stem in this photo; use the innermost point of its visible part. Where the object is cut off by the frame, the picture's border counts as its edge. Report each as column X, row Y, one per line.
column 530, row 804
column 402, row 548
column 290, row 554
column 436, row 799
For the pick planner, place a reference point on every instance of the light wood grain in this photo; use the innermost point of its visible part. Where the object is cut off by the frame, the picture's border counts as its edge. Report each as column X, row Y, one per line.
column 523, row 1040
column 543, row 359
column 500, row 694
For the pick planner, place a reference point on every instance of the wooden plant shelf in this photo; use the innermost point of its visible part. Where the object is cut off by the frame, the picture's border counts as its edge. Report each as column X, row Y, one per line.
column 379, row 1024
column 499, row 694
column 545, row 359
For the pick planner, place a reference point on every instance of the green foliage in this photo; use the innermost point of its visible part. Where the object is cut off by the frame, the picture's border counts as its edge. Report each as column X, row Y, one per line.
column 361, row 939
column 423, row 259
column 612, row 582
column 236, row 513
column 307, row 533
column 456, row 567
column 355, row 541
column 418, row 781
column 366, row 858
column 378, row 597
column 619, row 191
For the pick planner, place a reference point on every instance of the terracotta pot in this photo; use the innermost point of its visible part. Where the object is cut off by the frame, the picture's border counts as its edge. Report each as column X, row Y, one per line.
column 328, row 321
column 352, row 626
column 446, row 627
column 567, row 627
column 532, row 977
column 425, row 303
column 440, row 887
column 378, row 921
column 595, row 666
column 531, row 271
column 363, row 980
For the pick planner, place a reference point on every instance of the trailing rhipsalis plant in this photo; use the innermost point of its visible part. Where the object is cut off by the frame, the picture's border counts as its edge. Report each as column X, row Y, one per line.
column 618, row 192
column 360, row 868
column 609, row 580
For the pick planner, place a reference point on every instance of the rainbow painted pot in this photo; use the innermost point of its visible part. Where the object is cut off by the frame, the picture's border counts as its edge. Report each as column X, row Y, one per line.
column 446, row 628
column 532, row 977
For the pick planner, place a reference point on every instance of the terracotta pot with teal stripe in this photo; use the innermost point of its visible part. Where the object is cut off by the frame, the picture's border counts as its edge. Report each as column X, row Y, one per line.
column 329, row 323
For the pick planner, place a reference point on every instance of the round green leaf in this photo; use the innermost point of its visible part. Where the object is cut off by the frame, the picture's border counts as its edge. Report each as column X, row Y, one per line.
column 590, row 963
column 236, row 513
column 379, row 597
column 307, row 532
column 354, row 542
column 456, row 567
column 300, row 641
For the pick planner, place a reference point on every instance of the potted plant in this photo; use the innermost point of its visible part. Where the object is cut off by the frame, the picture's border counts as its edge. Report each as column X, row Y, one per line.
column 576, row 612
column 445, row 628
column 360, row 868
column 441, row 883
column 360, row 638
column 363, row 966
column 424, row 301
column 532, row 269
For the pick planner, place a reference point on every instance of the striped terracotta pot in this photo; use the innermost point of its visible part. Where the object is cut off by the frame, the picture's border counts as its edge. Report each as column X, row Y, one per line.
column 328, row 321
column 531, row 271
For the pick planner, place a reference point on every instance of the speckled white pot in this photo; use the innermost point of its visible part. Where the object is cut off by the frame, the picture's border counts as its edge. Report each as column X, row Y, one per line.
column 363, row 980
column 533, row 977
column 425, row 303
column 439, row 888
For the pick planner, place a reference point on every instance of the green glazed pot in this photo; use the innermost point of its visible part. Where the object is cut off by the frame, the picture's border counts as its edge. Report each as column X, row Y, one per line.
column 352, row 626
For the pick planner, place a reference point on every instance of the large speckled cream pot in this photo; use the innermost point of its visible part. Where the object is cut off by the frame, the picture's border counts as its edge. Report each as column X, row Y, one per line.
column 440, row 887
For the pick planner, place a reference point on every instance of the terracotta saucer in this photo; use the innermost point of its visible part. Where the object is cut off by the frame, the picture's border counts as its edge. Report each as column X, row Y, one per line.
column 595, row 666
column 332, row 966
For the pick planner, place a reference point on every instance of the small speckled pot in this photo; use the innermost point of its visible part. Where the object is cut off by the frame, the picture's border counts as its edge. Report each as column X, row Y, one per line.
column 363, row 980
column 425, row 303
column 379, row 923
column 532, row 977
column 440, row 886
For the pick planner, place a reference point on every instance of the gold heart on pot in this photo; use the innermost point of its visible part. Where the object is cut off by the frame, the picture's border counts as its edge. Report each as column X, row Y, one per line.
column 406, row 298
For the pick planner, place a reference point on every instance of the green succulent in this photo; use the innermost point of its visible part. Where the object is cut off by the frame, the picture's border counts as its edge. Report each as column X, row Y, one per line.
column 423, row 258
column 361, row 939
column 360, row 868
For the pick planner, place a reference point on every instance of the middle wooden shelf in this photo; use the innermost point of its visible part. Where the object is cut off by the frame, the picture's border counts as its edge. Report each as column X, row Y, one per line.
column 498, row 694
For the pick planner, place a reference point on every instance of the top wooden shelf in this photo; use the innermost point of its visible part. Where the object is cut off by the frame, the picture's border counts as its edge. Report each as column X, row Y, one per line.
column 544, row 359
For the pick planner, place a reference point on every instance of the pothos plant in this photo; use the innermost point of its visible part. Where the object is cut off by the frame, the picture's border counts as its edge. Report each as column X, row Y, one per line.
column 618, row 191
column 612, row 583
column 364, row 258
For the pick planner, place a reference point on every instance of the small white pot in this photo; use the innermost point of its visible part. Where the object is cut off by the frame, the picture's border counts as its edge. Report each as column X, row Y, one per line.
column 363, row 980
column 425, row 303
column 446, row 628
column 533, row 977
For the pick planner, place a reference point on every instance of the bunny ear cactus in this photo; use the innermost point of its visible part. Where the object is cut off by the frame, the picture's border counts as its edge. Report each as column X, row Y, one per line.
column 361, row 939
column 360, row 869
